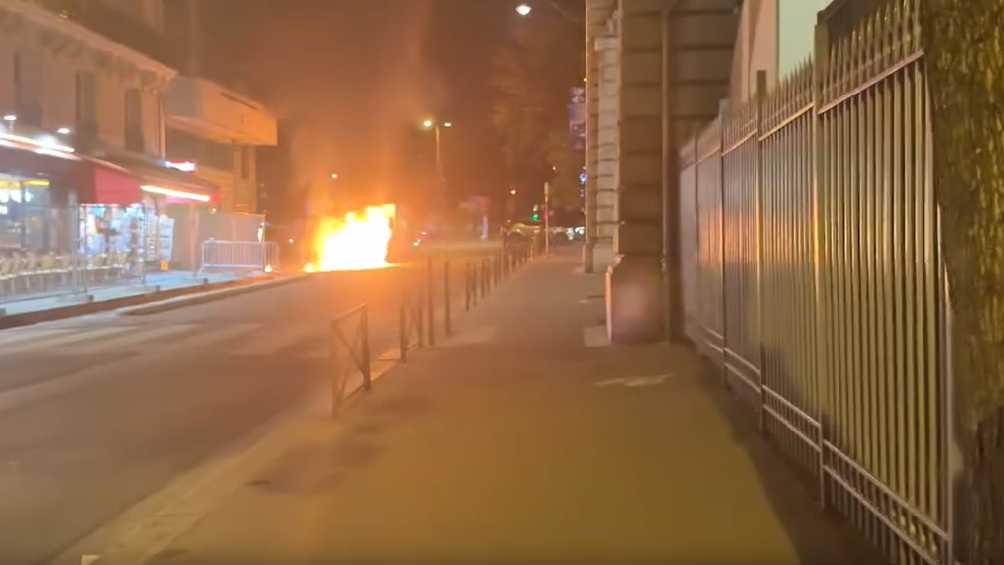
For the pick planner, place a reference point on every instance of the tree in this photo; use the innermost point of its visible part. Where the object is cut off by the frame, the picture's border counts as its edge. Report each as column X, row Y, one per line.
column 964, row 48
column 532, row 75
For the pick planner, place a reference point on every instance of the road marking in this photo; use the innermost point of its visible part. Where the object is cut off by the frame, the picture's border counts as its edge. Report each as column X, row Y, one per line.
column 135, row 336
column 595, row 336
column 633, row 382
column 67, row 338
column 12, row 337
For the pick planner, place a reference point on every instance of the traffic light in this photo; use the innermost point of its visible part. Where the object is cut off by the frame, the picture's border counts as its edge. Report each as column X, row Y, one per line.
column 536, row 213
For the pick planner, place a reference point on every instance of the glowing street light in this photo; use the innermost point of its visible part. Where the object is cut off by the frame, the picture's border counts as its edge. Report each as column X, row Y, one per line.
column 10, row 118
column 512, row 191
column 524, row 9
column 64, row 131
column 334, row 176
column 448, row 124
column 428, row 124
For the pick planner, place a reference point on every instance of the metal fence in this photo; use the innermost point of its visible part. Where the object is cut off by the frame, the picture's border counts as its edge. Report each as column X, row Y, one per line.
column 810, row 224
column 256, row 255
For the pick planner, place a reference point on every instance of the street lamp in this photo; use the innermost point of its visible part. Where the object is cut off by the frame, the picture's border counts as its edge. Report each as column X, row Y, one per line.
column 334, row 176
column 430, row 124
column 524, row 9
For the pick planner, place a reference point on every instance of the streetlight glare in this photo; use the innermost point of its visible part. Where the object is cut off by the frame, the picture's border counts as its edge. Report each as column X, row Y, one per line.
column 334, row 176
column 524, row 9
column 427, row 124
column 448, row 125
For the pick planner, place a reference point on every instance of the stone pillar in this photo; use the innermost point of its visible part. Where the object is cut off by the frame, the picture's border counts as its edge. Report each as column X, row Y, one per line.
column 635, row 297
column 598, row 15
column 608, row 146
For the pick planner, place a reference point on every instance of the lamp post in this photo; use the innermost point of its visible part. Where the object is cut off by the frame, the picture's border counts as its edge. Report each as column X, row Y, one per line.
column 432, row 125
column 436, row 127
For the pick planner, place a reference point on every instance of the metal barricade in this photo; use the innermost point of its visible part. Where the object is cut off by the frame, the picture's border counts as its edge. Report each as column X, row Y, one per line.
column 411, row 322
column 350, row 354
column 218, row 254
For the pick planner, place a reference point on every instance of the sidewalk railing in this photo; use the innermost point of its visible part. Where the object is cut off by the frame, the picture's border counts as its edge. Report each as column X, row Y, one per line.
column 417, row 320
column 257, row 255
column 350, row 353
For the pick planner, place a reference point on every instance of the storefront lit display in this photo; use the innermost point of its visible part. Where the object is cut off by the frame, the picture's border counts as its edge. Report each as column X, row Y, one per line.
column 24, row 213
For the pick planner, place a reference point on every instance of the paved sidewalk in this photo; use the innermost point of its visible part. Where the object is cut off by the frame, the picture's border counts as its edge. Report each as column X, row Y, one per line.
column 515, row 443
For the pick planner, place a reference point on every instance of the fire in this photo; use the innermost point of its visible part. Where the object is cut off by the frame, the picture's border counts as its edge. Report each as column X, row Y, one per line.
column 356, row 242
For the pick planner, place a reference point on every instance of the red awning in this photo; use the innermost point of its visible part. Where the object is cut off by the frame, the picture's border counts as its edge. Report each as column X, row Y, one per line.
column 109, row 186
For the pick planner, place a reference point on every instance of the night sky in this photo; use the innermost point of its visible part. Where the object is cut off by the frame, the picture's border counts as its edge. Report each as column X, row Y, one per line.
column 352, row 79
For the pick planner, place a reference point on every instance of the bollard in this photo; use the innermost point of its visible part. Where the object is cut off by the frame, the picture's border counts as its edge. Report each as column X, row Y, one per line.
column 484, row 283
column 403, row 327
column 419, row 321
column 447, row 323
column 364, row 327
column 431, row 303
column 336, row 397
column 467, row 286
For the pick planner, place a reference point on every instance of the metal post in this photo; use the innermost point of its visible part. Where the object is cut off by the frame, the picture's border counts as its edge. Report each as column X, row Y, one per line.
column 431, row 302
column 547, row 218
column 336, row 397
column 447, row 323
column 419, row 320
column 364, row 329
column 403, row 327
column 484, row 283
column 467, row 286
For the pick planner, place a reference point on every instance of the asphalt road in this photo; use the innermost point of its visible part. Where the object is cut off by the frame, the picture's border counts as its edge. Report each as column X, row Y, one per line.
column 98, row 412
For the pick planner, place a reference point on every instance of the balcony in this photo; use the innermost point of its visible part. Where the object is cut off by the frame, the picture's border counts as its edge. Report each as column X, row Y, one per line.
column 206, row 109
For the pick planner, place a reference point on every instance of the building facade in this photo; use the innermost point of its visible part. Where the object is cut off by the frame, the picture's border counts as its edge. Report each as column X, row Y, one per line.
column 86, row 180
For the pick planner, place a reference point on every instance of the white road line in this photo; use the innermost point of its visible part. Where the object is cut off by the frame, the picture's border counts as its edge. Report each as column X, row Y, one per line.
column 11, row 337
column 69, row 337
column 137, row 335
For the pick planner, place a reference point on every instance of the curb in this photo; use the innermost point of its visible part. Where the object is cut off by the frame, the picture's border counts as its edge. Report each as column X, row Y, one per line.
column 90, row 307
column 204, row 297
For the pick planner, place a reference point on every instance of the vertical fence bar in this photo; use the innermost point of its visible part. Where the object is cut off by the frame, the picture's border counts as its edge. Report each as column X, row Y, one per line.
column 430, row 301
column 467, row 286
column 364, row 329
column 403, row 333
column 335, row 380
column 447, row 322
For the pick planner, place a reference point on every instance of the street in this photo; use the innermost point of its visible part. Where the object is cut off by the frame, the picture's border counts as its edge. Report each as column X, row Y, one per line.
column 97, row 413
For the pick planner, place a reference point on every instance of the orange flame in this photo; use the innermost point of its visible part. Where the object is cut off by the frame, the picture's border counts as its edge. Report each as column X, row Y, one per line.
column 358, row 241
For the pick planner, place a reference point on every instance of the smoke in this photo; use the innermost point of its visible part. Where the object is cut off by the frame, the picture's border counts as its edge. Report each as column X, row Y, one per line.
column 347, row 79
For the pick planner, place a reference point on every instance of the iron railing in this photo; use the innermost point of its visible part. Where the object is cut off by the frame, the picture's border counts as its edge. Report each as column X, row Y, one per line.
column 811, row 243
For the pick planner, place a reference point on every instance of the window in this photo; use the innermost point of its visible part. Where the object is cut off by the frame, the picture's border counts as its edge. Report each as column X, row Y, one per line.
column 247, row 153
column 86, row 100
column 134, row 120
column 183, row 146
column 27, row 97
